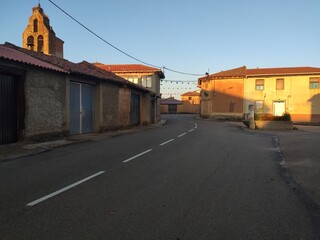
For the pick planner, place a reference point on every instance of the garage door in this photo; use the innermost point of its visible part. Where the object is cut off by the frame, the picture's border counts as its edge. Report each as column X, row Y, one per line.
column 8, row 109
column 81, row 108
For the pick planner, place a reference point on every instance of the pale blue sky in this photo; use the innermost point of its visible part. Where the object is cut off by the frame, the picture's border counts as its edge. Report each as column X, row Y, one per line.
column 188, row 36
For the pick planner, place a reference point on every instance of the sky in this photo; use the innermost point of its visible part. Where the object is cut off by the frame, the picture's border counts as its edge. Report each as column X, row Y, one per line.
column 191, row 36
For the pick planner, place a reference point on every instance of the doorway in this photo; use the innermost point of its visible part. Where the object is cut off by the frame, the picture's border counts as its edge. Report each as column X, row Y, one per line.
column 81, row 108
column 279, row 108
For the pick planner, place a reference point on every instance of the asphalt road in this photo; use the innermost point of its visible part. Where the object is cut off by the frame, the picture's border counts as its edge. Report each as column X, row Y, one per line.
column 190, row 179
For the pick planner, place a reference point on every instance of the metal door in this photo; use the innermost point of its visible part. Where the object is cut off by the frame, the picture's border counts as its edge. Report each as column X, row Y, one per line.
column 279, row 108
column 135, row 109
column 172, row 108
column 81, row 108
column 8, row 109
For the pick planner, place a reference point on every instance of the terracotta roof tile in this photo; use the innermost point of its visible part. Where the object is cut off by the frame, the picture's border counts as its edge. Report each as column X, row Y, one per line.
column 77, row 68
column 235, row 72
column 194, row 93
column 244, row 72
column 282, row 71
column 169, row 101
column 129, row 68
column 17, row 56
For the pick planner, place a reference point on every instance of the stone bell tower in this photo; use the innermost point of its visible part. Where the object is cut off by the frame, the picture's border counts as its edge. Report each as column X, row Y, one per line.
column 39, row 35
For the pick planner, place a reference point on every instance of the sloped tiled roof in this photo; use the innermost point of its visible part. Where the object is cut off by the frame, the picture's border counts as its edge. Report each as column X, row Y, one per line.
column 83, row 68
column 194, row 93
column 244, row 72
column 130, row 68
column 92, row 69
column 67, row 65
column 282, row 71
column 17, row 56
column 169, row 101
column 235, row 72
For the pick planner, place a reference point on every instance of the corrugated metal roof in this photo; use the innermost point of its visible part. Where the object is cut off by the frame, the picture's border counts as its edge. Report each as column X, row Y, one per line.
column 17, row 56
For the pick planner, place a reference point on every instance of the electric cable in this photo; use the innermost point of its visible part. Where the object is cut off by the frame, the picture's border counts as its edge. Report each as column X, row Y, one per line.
column 118, row 49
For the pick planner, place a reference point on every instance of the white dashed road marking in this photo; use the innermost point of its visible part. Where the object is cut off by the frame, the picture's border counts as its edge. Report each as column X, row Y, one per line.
column 138, row 155
column 63, row 189
column 166, row 142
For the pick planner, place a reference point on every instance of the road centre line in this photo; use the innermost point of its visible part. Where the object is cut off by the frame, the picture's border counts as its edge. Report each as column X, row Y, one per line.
column 166, row 142
column 191, row 130
column 138, row 155
column 63, row 189
column 182, row 134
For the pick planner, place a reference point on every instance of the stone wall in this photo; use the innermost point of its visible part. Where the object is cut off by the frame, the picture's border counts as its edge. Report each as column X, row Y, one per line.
column 274, row 125
column 45, row 105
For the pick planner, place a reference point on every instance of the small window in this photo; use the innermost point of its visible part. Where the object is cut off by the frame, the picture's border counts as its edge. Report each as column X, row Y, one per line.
column 190, row 98
column 314, row 83
column 133, row 79
column 259, row 84
column 147, row 81
column 35, row 25
column 280, row 84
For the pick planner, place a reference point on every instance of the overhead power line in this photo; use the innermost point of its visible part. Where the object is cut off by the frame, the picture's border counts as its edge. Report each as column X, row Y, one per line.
column 118, row 49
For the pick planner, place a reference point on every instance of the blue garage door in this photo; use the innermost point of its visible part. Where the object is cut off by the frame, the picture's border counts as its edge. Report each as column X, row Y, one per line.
column 81, row 108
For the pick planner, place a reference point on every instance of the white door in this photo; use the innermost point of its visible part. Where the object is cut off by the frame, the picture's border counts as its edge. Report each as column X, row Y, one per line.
column 279, row 108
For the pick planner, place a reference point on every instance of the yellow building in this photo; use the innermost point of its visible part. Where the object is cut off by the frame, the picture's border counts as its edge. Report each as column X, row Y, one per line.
column 190, row 102
column 271, row 90
column 39, row 35
column 277, row 90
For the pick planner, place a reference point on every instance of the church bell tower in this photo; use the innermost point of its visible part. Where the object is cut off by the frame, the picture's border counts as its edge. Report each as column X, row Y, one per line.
column 39, row 35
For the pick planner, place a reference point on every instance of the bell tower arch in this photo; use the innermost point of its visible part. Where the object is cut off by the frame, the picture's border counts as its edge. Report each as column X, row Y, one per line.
column 39, row 35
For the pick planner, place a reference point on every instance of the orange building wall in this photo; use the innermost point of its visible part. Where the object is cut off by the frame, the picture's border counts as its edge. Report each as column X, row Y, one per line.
column 226, row 96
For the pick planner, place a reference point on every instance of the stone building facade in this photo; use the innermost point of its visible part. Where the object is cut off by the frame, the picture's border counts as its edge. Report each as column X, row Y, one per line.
column 39, row 35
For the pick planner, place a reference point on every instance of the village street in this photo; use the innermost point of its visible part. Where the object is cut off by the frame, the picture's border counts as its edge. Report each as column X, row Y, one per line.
column 190, row 179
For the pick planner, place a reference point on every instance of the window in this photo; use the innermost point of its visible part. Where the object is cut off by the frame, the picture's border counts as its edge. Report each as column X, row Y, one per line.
column 314, row 83
column 258, row 106
column 133, row 79
column 190, row 98
column 147, row 81
column 35, row 25
column 259, row 84
column 280, row 84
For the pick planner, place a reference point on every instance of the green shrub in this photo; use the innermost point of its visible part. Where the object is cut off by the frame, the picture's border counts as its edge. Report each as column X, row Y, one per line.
column 286, row 116
column 269, row 117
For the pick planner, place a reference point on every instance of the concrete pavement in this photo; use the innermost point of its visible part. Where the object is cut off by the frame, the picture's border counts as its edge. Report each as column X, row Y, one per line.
column 301, row 157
